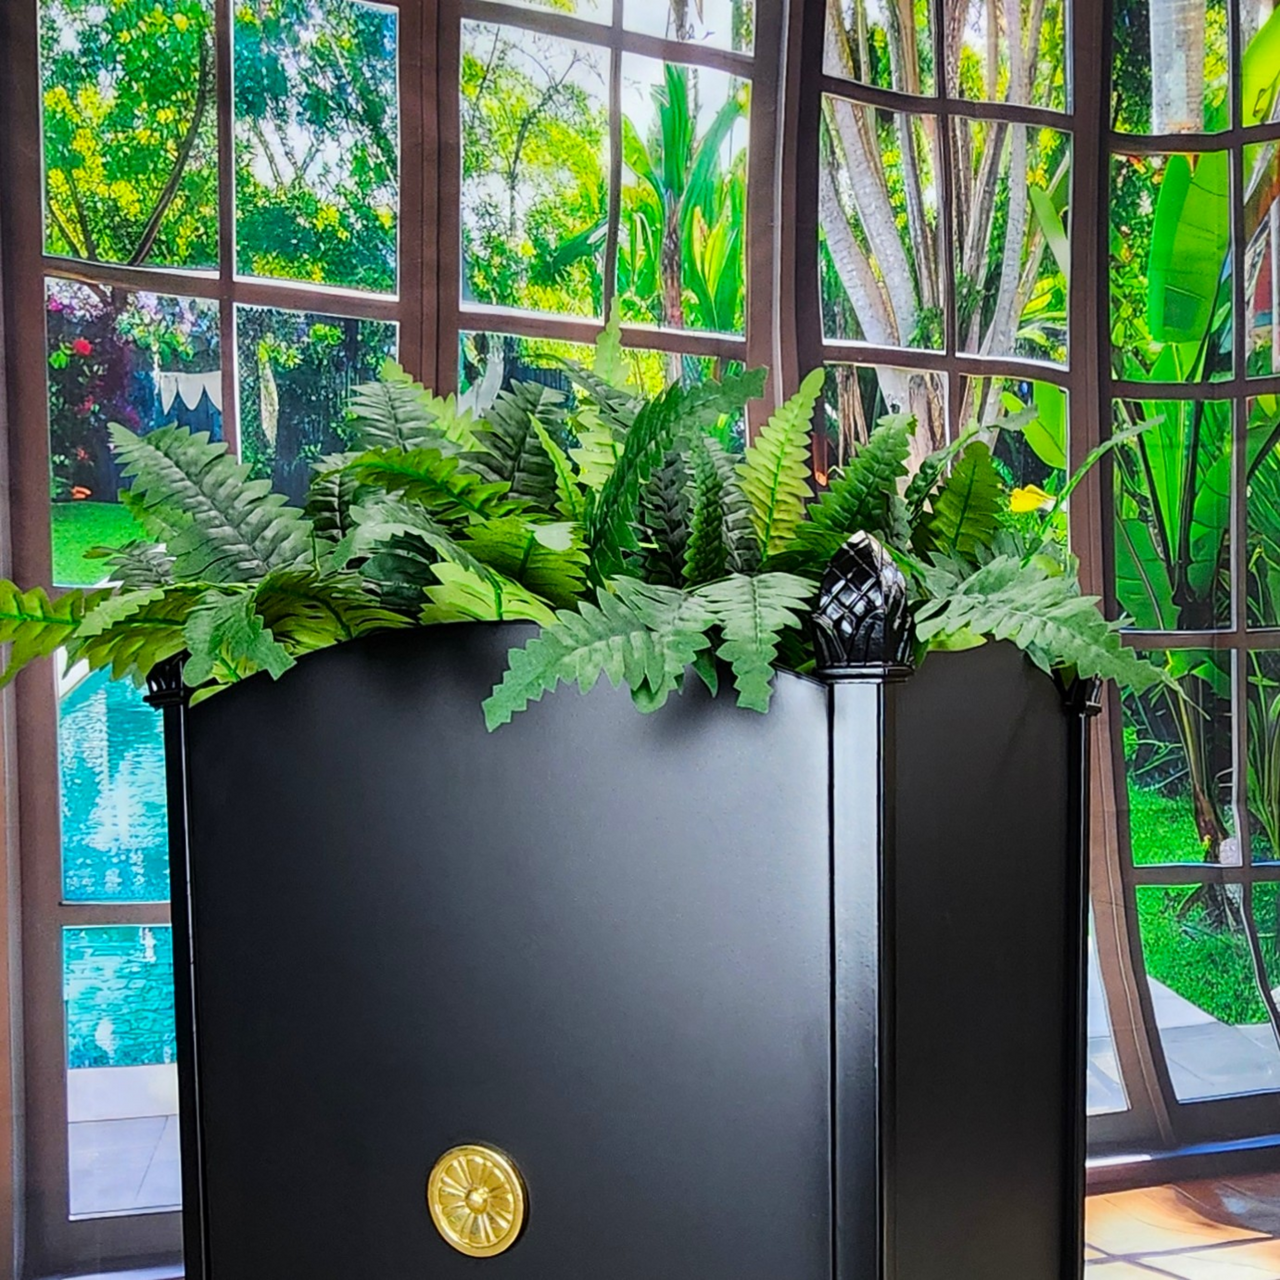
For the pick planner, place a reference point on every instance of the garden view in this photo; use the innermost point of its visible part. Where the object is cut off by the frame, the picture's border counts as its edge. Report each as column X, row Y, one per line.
column 132, row 174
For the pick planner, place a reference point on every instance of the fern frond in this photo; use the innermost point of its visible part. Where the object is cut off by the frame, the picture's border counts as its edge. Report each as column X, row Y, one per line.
column 463, row 596
column 35, row 626
column 598, row 448
column 227, row 638
column 238, row 530
column 664, row 521
column 611, row 520
column 706, row 553
column 608, row 360
column 511, row 452
column 774, row 474
column 305, row 610
column 1043, row 613
column 752, row 613
column 435, row 481
column 136, row 565
column 548, row 559
column 333, row 496
column 570, row 500
column 643, row 634
column 134, row 631
column 859, row 498
column 392, row 413
column 739, row 529
column 965, row 514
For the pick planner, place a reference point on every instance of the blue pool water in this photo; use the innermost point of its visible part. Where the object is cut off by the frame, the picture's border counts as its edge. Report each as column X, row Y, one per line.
column 111, row 761
column 117, row 979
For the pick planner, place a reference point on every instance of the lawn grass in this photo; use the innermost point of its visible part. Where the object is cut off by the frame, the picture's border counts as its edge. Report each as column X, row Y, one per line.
column 1162, row 828
column 77, row 526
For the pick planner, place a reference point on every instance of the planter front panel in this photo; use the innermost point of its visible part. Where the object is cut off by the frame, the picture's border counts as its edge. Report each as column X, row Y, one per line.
column 596, row 940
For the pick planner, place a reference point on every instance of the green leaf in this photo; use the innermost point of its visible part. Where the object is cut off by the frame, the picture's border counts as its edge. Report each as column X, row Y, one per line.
column 858, row 499
column 608, row 361
column 131, row 637
column 752, row 614
column 1050, row 220
column 393, row 413
column 236, row 530
column 333, row 496
column 35, row 626
column 548, row 559
column 611, row 521
column 967, row 509
column 664, row 521
column 643, row 634
column 775, row 472
column 434, row 481
column 570, row 501
column 511, row 451
column 1142, row 576
column 136, row 565
column 305, row 610
column 227, row 638
column 706, row 553
column 1041, row 612
column 462, row 596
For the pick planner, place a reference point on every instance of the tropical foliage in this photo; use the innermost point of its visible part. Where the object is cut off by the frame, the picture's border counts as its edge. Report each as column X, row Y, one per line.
column 621, row 524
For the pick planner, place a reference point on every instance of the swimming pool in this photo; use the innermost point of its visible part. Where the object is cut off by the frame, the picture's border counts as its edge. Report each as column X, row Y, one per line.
column 117, row 979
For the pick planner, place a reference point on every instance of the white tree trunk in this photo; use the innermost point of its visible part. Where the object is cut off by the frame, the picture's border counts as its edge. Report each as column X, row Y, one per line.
column 855, row 272
column 1177, row 66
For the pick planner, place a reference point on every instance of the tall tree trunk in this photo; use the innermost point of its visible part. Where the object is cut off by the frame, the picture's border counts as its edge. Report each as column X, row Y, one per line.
column 1177, row 62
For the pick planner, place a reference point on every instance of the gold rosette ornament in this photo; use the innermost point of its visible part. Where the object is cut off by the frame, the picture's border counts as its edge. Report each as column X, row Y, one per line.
column 477, row 1200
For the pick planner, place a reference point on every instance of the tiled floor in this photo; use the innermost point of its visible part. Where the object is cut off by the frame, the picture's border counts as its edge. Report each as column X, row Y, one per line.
column 1219, row 1230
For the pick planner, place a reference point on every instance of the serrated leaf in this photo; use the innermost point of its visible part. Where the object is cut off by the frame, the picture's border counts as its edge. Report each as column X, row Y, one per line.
column 136, row 565
column 435, row 482
column 238, row 529
column 752, row 614
column 547, row 559
column 392, row 413
column 511, row 450
column 608, row 360
column 641, row 634
column 226, row 637
column 570, row 500
column 664, row 522
column 706, row 554
column 147, row 630
column 333, row 494
column 305, row 610
column 1042, row 612
column 462, row 596
column 860, row 497
column 33, row 626
column 774, row 474
column 966, row 511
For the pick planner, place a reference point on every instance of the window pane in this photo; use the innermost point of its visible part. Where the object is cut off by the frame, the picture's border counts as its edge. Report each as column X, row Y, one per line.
column 143, row 360
column 491, row 362
column 880, row 43
column 858, row 396
column 1178, row 764
column 878, row 240
column 1262, row 240
column 1012, row 252
column 122, row 1134
column 723, row 24
column 535, row 170
column 317, row 142
column 1263, row 756
column 130, row 131
column 1033, row 456
column 1173, row 509
column 1170, row 70
column 1171, row 267
column 588, row 10
column 1213, row 1023
column 983, row 64
column 1264, row 511
column 1105, row 1092
column 296, row 370
column 111, row 770
column 682, row 239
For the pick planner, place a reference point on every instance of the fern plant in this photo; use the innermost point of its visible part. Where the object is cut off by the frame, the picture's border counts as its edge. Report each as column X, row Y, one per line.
column 622, row 527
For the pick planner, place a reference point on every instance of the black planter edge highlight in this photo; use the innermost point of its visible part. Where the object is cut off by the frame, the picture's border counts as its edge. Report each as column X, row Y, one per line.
column 167, row 692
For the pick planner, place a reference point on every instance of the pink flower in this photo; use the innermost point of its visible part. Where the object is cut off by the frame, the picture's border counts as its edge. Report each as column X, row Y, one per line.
column 82, row 347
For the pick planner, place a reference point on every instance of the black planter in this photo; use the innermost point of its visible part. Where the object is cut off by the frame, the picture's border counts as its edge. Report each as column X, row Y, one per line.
column 784, row 997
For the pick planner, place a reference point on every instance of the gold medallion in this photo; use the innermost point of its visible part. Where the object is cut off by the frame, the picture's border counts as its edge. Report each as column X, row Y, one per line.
column 477, row 1200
